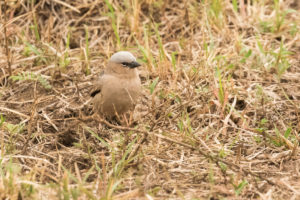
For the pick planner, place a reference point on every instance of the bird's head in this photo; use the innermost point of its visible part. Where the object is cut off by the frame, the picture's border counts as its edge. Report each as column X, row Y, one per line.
column 124, row 58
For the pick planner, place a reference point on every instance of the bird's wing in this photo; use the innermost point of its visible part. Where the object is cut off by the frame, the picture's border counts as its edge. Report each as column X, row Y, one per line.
column 97, row 85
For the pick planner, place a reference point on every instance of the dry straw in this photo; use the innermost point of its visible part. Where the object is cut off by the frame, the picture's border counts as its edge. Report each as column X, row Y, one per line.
column 219, row 116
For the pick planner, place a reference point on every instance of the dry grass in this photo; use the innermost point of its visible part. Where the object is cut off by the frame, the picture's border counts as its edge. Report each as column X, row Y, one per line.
column 220, row 112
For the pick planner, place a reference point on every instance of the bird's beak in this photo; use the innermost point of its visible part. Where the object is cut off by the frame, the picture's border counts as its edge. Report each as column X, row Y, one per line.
column 134, row 64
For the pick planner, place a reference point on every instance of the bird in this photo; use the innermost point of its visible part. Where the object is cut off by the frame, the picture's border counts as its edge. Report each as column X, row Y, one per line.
column 118, row 88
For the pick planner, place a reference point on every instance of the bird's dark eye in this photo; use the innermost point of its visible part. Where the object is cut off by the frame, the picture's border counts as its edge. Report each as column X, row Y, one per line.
column 126, row 64
column 132, row 64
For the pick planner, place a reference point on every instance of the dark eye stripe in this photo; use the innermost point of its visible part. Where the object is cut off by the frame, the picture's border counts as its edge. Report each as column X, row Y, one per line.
column 126, row 63
column 133, row 64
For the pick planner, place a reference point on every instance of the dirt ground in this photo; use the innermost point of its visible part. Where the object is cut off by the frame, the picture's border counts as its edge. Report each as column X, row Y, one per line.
column 219, row 115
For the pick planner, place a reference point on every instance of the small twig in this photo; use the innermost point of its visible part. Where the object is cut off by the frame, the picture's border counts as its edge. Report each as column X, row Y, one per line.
column 86, row 14
column 242, row 9
column 49, row 120
column 29, row 130
column 15, row 112
column 6, row 41
column 67, row 5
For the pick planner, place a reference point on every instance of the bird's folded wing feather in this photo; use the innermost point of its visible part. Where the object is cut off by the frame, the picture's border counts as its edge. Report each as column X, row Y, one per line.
column 97, row 86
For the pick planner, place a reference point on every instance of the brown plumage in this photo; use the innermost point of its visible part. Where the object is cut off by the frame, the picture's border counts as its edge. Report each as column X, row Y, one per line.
column 119, row 86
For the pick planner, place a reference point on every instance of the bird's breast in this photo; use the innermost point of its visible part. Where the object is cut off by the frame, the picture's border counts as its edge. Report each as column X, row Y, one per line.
column 120, row 95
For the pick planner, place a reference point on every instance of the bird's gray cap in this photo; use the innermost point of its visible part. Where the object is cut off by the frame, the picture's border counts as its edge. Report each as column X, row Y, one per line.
column 122, row 56
column 125, row 58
